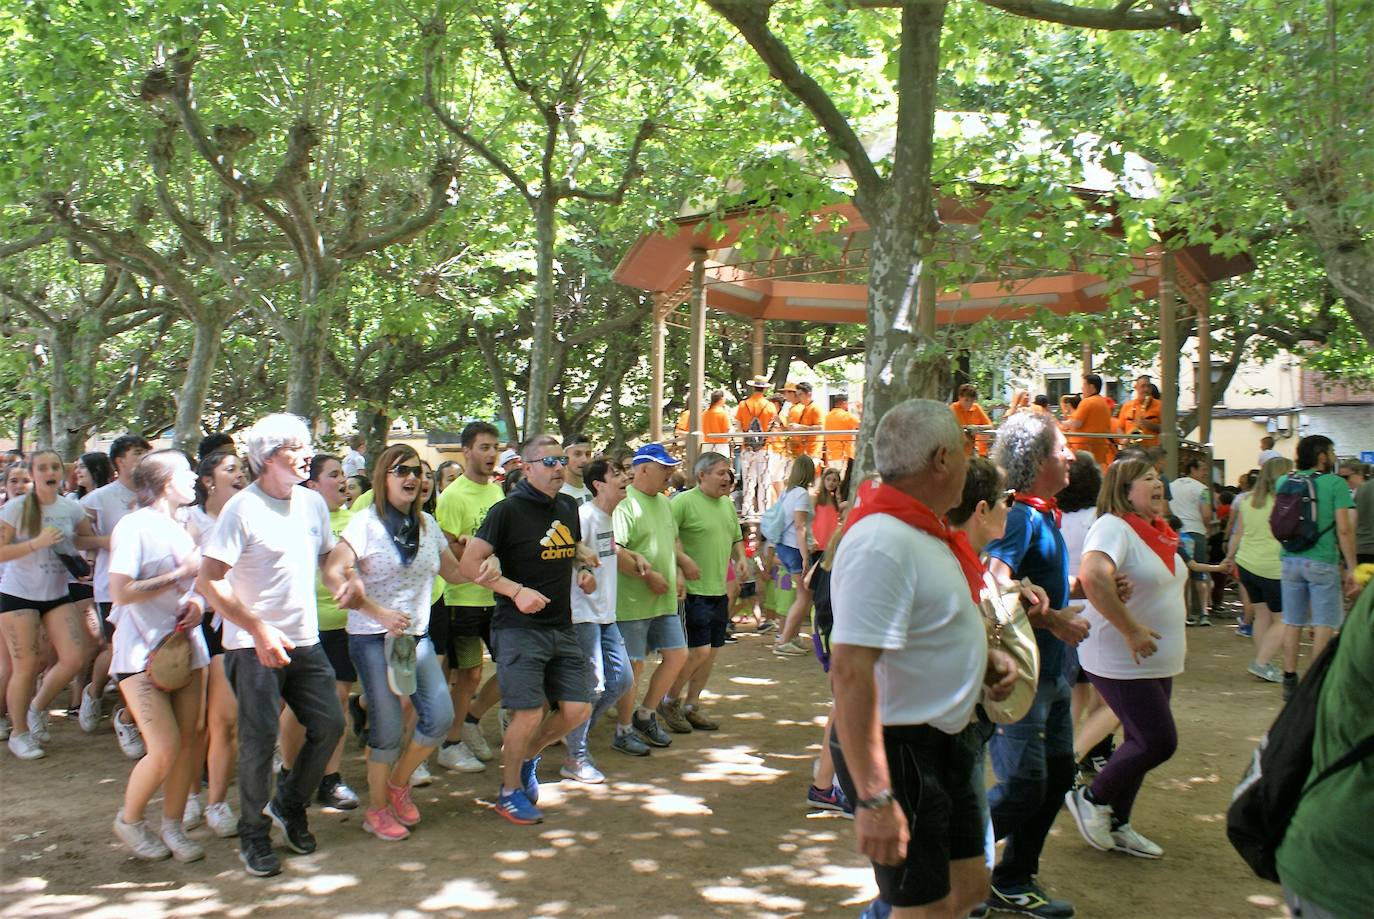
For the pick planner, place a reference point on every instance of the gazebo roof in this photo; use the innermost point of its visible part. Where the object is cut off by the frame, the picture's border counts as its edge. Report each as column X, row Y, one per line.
column 834, row 288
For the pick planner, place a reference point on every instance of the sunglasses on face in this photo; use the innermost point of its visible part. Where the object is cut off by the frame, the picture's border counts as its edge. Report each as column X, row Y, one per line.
column 549, row 462
column 401, row 472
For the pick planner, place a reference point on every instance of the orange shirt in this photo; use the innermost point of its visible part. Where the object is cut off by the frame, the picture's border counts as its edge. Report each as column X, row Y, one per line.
column 715, row 421
column 682, row 426
column 757, row 406
column 1094, row 417
column 1131, row 415
column 840, row 446
column 971, row 416
column 810, row 413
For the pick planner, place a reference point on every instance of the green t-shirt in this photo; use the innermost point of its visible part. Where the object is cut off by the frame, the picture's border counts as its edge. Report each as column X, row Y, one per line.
column 644, row 524
column 460, row 511
column 1331, row 825
column 708, row 529
column 1332, row 493
column 331, row 617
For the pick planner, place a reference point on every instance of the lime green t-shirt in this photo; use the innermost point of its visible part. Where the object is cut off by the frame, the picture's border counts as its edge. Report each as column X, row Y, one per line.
column 644, row 524
column 460, row 511
column 708, row 529
column 331, row 617
column 1332, row 494
column 362, row 501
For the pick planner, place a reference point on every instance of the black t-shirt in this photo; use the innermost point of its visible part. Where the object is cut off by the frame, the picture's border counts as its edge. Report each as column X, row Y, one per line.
column 535, row 537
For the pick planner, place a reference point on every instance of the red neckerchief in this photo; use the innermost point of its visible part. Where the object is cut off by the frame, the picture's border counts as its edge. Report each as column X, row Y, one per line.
column 1158, row 535
column 876, row 498
column 1043, row 505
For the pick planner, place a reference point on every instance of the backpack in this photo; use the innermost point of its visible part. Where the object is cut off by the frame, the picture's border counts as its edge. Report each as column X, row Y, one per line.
column 822, row 614
column 773, row 522
column 1293, row 521
column 1267, row 797
column 754, row 443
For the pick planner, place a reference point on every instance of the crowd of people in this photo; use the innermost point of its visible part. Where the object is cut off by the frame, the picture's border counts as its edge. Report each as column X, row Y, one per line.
column 251, row 605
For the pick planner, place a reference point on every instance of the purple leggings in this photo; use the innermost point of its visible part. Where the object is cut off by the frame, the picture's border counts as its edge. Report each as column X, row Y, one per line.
column 1151, row 738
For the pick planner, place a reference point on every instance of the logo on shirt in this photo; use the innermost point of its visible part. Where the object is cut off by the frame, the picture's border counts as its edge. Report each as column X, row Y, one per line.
column 558, row 542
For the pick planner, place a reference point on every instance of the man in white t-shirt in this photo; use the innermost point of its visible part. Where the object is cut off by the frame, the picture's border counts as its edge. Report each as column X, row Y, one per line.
column 258, row 573
column 1267, row 451
column 909, row 661
column 1191, row 502
column 578, row 450
column 106, row 506
column 354, row 461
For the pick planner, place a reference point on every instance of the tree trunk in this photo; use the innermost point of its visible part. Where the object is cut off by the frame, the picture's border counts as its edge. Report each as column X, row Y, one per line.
column 902, row 363
column 536, row 399
column 505, row 406
column 199, row 369
column 67, row 424
column 375, row 425
column 40, row 416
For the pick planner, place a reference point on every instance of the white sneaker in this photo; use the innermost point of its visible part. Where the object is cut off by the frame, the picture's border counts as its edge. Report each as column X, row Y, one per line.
column 139, row 839
column 182, row 847
column 1094, row 820
column 477, row 744
column 420, row 777
column 221, row 820
column 193, row 815
column 89, row 713
column 460, row 759
column 130, row 738
column 38, row 725
column 1127, row 840
column 22, row 745
column 5, row 727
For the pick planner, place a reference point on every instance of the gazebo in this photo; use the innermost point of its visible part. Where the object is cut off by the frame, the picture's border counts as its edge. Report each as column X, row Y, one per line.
column 700, row 264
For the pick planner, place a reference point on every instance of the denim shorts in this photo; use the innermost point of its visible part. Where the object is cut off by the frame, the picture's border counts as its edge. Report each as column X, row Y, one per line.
column 1312, row 593
column 789, row 558
column 661, row 633
column 1197, row 552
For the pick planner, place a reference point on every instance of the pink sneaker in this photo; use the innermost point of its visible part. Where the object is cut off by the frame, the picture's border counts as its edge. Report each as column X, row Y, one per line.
column 382, row 824
column 402, row 805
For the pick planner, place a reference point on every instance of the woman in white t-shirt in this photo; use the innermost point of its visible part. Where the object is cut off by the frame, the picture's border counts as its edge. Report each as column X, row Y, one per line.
column 1133, row 649
column 17, row 484
column 153, row 567
column 35, row 532
column 794, row 550
column 397, row 550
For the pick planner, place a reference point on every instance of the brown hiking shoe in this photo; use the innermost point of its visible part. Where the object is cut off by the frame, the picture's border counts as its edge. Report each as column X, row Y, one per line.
column 671, row 713
column 700, row 722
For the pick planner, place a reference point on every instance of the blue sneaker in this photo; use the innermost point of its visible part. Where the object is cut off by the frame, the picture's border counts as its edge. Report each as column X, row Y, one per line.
column 529, row 779
column 1245, row 630
column 878, row 909
column 832, row 800
column 516, row 808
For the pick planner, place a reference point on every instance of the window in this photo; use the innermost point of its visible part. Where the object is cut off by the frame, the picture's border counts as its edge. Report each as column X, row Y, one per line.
column 1218, row 397
column 1056, row 387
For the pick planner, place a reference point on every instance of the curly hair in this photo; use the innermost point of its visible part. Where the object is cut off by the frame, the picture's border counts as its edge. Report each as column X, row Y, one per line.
column 1024, row 442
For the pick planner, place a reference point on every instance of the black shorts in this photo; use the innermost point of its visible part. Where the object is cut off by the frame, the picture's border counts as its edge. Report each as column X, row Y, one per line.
column 106, row 626
column 540, row 664
column 9, row 603
column 707, row 620
column 932, row 779
column 79, row 592
column 214, row 637
column 335, row 645
column 1268, row 591
column 464, row 622
column 748, row 589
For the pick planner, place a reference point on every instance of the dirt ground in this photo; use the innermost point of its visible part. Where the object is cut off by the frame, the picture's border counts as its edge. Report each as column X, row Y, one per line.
column 714, row 826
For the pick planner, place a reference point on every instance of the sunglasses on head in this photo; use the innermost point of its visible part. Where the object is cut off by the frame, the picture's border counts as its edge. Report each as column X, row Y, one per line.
column 400, row 471
column 549, row 462
column 1009, row 498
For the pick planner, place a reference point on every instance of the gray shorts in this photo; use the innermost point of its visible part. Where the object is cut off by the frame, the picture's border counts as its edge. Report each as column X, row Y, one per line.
column 657, row 634
column 538, row 664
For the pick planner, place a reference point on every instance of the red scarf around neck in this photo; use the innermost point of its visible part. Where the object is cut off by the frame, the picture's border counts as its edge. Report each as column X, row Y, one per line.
column 1158, row 535
column 1043, row 505
column 877, row 498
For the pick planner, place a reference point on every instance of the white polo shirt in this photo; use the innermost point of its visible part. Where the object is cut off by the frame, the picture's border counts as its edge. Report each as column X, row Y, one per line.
column 902, row 590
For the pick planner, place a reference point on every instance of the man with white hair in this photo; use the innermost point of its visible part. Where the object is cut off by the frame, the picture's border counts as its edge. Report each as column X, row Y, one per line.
column 258, row 572
column 909, row 660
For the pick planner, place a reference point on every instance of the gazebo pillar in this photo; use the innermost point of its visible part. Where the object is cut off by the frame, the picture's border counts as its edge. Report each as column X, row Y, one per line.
column 1203, row 386
column 696, row 358
column 656, row 344
column 1168, row 359
column 756, row 349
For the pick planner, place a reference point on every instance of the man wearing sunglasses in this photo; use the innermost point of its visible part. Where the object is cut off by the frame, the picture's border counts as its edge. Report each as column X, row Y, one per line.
column 535, row 532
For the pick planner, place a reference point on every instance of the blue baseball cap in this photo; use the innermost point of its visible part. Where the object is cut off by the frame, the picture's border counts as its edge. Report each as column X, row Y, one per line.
column 654, row 453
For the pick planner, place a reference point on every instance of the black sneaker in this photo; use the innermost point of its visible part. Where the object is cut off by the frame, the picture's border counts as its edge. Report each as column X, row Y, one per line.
column 257, row 856
column 334, row 793
column 1028, row 900
column 650, row 731
column 293, row 827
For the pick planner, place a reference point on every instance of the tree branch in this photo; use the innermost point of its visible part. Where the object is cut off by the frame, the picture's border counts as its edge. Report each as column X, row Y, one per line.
column 42, row 237
column 632, row 172
column 1160, row 15
column 441, row 180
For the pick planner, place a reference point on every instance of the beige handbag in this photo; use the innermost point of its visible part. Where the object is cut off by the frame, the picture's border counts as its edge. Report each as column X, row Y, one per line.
column 169, row 663
column 1009, row 630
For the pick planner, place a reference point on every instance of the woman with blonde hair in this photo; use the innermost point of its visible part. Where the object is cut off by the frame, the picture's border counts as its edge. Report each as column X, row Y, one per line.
column 1254, row 554
column 795, row 548
column 40, row 534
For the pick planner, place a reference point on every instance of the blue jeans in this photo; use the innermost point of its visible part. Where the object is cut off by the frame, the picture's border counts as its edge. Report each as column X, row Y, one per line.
column 433, row 706
column 611, row 676
column 1311, row 592
column 1033, row 762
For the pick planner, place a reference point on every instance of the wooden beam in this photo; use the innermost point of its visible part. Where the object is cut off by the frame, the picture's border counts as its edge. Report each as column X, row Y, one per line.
column 1202, row 387
column 756, row 364
column 656, row 345
column 1168, row 359
column 697, row 356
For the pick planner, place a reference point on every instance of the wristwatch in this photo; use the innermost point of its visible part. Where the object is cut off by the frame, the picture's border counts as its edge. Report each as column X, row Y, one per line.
column 880, row 800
